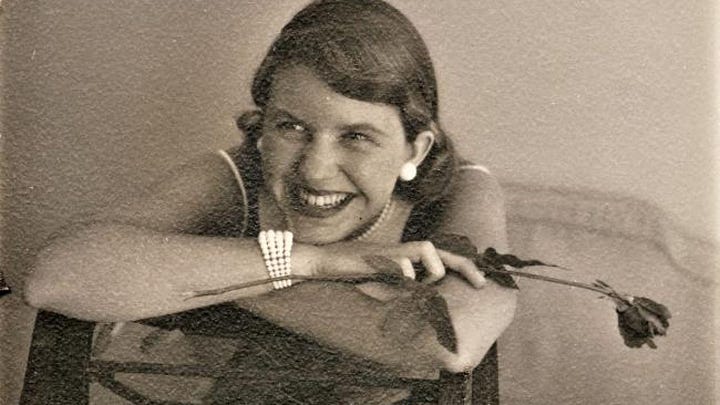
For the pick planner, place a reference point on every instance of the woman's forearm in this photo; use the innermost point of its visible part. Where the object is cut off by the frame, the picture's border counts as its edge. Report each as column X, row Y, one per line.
column 479, row 317
column 343, row 317
column 108, row 272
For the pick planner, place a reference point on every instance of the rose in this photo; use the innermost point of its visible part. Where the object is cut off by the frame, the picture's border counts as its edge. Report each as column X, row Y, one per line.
column 640, row 319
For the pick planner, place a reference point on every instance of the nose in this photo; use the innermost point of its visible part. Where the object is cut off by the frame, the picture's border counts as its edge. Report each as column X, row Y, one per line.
column 319, row 160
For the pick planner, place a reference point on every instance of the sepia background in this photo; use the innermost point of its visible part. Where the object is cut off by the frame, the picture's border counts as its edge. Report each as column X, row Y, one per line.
column 598, row 117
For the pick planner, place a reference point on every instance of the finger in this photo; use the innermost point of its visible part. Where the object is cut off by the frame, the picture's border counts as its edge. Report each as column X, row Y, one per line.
column 432, row 262
column 464, row 266
column 407, row 268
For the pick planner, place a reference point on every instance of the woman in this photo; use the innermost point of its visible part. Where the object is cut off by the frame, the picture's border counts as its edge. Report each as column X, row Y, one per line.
column 346, row 154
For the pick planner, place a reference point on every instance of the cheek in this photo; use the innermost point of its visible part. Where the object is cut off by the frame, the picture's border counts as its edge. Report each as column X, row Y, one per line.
column 375, row 174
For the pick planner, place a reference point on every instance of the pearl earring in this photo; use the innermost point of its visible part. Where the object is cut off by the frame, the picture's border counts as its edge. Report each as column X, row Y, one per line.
column 408, row 171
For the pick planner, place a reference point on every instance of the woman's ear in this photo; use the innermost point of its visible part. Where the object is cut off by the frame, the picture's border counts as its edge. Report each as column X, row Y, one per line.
column 421, row 147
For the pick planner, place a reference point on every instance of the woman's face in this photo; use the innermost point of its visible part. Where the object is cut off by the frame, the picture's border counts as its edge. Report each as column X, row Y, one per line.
column 330, row 162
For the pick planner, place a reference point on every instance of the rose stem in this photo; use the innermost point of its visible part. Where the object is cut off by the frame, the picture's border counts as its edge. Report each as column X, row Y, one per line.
column 552, row 280
column 361, row 276
column 217, row 291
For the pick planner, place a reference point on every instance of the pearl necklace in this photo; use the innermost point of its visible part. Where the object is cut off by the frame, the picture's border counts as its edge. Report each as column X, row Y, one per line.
column 384, row 214
column 386, row 211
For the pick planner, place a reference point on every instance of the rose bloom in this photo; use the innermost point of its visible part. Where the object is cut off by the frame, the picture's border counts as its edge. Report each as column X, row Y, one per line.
column 640, row 319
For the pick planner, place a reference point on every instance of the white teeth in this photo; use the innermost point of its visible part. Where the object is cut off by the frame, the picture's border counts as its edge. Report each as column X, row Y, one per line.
column 326, row 201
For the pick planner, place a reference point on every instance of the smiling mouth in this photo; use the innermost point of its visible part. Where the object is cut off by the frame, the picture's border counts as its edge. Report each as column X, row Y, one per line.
column 318, row 204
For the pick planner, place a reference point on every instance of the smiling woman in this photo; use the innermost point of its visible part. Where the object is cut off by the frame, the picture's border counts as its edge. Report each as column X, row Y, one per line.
column 331, row 162
column 343, row 159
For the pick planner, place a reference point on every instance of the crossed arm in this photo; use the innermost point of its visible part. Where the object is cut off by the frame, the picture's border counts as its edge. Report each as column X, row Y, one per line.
column 133, row 261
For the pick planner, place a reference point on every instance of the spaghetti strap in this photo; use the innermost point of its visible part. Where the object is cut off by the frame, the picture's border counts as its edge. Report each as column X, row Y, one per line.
column 249, row 167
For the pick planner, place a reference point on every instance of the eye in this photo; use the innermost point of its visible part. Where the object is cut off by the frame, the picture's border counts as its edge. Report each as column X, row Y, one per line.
column 292, row 130
column 290, row 126
column 357, row 136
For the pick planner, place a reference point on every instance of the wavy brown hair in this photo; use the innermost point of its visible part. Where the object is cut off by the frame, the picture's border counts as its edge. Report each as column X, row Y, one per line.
column 369, row 51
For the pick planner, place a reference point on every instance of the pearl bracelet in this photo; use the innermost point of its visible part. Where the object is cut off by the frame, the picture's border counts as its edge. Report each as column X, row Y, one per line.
column 276, row 247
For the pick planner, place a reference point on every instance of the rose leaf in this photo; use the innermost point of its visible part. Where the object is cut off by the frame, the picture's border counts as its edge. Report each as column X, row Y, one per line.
column 387, row 270
column 438, row 316
column 503, row 279
column 495, row 273
column 404, row 319
column 494, row 258
column 454, row 243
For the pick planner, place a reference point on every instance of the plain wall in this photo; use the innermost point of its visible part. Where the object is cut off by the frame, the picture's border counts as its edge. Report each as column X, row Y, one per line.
column 99, row 97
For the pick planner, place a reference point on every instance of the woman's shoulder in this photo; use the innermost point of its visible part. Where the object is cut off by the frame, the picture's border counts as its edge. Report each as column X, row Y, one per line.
column 476, row 207
column 474, row 200
column 475, row 181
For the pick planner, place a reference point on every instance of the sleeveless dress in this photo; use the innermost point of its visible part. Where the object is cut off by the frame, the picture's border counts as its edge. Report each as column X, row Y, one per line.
column 224, row 336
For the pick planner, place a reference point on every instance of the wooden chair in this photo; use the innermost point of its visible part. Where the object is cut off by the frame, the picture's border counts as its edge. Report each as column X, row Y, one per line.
column 60, row 370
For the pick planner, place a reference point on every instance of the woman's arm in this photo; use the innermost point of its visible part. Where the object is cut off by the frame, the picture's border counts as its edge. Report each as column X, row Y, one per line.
column 113, row 272
column 134, row 260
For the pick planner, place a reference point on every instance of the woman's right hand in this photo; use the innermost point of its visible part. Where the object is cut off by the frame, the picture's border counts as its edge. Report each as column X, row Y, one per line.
column 349, row 257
